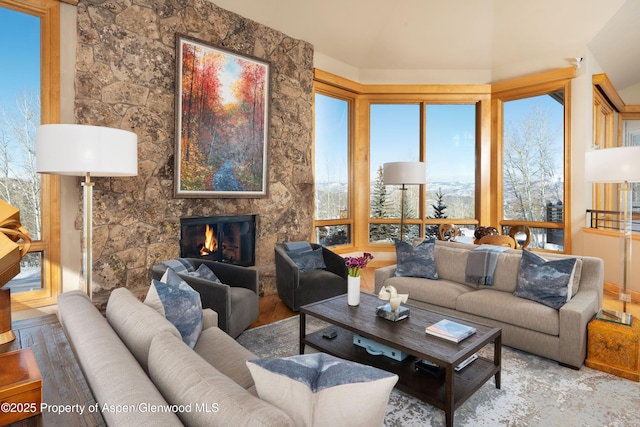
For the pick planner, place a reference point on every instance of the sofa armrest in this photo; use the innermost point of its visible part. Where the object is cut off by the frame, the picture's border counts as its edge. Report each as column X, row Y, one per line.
column 233, row 275
column 209, row 318
column 574, row 317
column 335, row 263
column 213, row 295
column 592, row 277
column 382, row 274
column 287, row 276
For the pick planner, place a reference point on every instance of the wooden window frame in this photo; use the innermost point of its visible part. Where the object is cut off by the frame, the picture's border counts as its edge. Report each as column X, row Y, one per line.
column 347, row 96
column 526, row 87
column 364, row 96
column 49, row 245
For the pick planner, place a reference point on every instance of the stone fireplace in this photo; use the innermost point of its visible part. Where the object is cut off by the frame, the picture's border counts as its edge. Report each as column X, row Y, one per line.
column 224, row 238
column 125, row 78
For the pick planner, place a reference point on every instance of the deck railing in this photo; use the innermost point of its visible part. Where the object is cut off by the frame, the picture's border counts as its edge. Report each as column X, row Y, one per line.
column 611, row 220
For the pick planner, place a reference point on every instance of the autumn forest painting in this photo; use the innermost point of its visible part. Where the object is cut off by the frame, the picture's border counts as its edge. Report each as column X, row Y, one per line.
column 222, row 123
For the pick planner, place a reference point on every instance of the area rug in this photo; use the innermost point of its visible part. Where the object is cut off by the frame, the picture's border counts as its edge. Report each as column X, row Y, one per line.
column 535, row 391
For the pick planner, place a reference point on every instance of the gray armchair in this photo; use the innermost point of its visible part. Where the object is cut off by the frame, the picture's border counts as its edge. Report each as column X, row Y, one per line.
column 235, row 299
column 296, row 288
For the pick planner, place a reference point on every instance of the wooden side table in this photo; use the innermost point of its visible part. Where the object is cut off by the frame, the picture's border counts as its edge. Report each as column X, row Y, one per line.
column 20, row 386
column 614, row 348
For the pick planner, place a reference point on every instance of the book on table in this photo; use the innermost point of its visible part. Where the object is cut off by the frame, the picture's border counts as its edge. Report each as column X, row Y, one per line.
column 450, row 330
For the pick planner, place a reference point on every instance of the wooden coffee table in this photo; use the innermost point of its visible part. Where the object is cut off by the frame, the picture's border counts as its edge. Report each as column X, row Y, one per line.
column 446, row 393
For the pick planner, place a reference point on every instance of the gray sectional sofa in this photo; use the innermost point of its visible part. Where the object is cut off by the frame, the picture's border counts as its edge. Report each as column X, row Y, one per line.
column 136, row 365
column 527, row 325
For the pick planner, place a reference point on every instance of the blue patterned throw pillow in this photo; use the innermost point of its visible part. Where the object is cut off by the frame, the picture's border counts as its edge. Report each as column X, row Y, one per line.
column 319, row 389
column 416, row 262
column 179, row 265
column 205, row 273
column 546, row 282
column 308, row 260
column 179, row 303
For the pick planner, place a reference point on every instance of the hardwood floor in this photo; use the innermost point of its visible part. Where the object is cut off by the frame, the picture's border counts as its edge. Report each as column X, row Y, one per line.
column 273, row 309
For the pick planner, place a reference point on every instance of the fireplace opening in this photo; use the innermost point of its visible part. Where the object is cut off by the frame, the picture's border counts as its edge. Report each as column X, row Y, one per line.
column 229, row 238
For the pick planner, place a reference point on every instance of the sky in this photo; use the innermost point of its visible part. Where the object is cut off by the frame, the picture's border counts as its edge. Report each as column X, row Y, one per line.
column 20, row 55
column 19, row 73
column 395, row 136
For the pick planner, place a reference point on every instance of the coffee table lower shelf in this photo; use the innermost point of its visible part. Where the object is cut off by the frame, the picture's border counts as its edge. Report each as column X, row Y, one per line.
column 429, row 389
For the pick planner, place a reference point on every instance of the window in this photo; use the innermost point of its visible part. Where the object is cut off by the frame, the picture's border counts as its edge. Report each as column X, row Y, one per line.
column 451, row 165
column 534, row 149
column 396, row 132
column 331, row 170
column 614, row 124
column 630, row 129
column 394, row 137
column 29, row 34
column 604, row 119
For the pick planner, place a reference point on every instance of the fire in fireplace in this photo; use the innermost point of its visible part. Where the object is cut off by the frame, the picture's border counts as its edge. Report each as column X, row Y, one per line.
column 228, row 238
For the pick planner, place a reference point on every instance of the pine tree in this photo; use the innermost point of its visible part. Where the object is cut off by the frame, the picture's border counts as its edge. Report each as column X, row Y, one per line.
column 379, row 209
column 431, row 231
column 440, row 206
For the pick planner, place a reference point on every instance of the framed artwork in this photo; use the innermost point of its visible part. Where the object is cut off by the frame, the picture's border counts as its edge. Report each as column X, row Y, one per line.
column 222, row 122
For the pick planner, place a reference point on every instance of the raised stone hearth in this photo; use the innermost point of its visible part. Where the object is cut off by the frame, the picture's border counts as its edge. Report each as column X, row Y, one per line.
column 125, row 79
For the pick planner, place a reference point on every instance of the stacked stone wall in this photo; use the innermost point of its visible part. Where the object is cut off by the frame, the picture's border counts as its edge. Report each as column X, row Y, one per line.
column 125, row 78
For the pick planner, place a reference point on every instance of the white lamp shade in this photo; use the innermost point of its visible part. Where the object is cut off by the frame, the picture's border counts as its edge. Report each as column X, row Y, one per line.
column 398, row 173
column 64, row 149
column 617, row 164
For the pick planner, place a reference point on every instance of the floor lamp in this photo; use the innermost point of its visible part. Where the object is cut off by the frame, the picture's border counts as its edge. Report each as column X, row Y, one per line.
column 618, row 165
column 84, row 150
column 404, row 173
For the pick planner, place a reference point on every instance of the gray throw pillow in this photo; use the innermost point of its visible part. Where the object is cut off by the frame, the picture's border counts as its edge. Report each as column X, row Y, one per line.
column 416, row 262
column 308, row 260
column 297, row 246
column 546, row 282
column 179, row 303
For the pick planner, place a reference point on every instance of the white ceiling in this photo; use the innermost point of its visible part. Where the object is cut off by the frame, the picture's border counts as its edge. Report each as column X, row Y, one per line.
column 475, row 41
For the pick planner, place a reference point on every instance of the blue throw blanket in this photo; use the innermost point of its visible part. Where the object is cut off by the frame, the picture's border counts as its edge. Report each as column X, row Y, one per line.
column 481, row 264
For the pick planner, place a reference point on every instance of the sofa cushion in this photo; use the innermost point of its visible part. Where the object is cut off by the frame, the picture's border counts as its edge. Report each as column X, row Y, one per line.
column 506, row 274
column 546, row 282
column 209, row 397
column 108, row 366
column 223, row 353
column 450, row 259
column 322, row 390
column 416, row 261
column 481, row 265
column 443, row 293
column 507, row 308
column 136, row 323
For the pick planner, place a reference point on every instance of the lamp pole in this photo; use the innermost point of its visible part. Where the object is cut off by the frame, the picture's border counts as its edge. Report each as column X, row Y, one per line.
column 87, row 231
column 403, row 190
column 626, row 192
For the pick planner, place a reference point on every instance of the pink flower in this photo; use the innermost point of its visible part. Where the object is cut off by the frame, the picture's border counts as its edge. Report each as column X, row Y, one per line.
column 356, row 264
